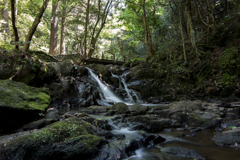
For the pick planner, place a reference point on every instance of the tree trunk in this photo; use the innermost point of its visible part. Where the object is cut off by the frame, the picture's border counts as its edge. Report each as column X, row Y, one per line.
column 190, row 24
column 180, row 26
column 5, row 17
column 101, row 17
column 63, row 29
column 13, row 3
column 53, row 50
column 34, row 26
column 86, row 25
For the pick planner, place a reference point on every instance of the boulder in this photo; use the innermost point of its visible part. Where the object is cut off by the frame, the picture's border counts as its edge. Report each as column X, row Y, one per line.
column 79, row 71
column 185, row 106
column 36, row 74
column 229, row 138
column 120, row 107
column 182, row 152
column 146, row 87
column 21, row 104
column 138, row 108
column 100, row 68
column 61, row 68
column 66, row 139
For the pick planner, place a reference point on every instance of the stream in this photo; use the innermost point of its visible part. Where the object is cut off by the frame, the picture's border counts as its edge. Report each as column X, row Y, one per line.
column 130, row 143
column 200, row 142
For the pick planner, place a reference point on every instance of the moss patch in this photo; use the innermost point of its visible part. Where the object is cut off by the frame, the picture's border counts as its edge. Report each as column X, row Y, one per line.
column 20, row 96
column 61, row 140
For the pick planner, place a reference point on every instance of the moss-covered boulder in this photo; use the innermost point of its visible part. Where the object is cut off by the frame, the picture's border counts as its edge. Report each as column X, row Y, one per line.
column 120, row 107
column 20, row 104
column 69, row 139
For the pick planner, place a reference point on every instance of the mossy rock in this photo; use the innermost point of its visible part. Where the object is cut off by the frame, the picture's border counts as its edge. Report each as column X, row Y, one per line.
column 66, row 139
column 120, row 107
column 21, row 104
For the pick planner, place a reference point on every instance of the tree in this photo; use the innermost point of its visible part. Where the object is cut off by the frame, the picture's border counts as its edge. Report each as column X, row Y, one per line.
column 85, row 29
column 100, row 22
column 5, row 25
column 141, row 11
column 63, row 28
column 180, row 27
column 34, row 26
column 190, row 25
column 14, row 22
column 53, row 48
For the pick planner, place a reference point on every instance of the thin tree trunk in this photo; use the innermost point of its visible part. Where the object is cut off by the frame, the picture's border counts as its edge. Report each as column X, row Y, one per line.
column 104, row 15
column 180, row 26
column 190, row 24
column 34, row 26
column 53, row 50
column 63, row 29
column 5, row 17
column 13, row 3
column 86, row 25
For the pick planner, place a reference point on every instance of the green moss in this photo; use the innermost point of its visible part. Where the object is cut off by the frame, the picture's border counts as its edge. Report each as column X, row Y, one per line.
column 60, row 140
column 20, row 96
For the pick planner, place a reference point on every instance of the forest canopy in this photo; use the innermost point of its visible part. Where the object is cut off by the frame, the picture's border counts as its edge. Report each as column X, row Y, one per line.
column 137, row 29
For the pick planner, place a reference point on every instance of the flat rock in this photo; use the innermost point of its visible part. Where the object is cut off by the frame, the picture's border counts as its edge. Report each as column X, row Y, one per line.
column 182, row 152
column 228, row 138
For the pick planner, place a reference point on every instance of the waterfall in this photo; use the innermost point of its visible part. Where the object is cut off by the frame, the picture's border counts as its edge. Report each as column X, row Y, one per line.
column 122, row 81
column 107, row 93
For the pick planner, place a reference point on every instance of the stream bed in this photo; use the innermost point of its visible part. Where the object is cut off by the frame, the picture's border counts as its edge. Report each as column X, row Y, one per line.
column 181, row 137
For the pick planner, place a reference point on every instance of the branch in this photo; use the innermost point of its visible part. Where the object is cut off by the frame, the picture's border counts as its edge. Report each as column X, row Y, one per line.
column 35, row 4
column 134, row 35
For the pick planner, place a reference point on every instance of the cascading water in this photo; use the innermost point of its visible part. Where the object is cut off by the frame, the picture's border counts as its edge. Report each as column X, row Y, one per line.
column 110, row 96
column 107, row 93
column 122, row 81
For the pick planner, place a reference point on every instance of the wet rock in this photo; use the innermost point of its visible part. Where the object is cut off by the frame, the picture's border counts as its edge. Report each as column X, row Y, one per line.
column 116, row 69
column 146, row 87
column 102, row 69
column 182, row 152
column 99, row 109
column 229, row 138
column 66, row 139
column 153, row 139
column 115, row 81
column 150, row 124
column 103, row 124
column 133, row 146
column 21, row 104
column 138, row 108
column 120, row 107
column 110, row 135
column 79, row 71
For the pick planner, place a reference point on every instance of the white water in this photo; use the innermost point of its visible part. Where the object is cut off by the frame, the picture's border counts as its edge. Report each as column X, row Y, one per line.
column 108, row 94
column 125, row 86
